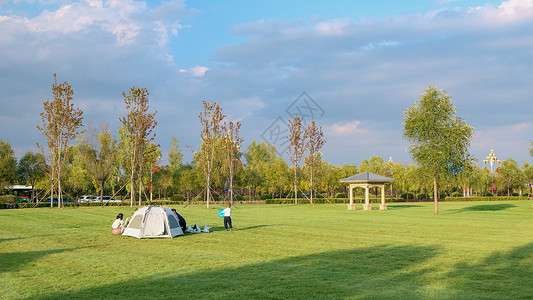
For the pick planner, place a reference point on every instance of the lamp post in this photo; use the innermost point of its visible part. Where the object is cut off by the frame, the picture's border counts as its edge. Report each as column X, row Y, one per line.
column 491, row 159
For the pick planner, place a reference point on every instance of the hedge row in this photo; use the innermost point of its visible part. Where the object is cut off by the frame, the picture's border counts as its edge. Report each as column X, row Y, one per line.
column 493, row 198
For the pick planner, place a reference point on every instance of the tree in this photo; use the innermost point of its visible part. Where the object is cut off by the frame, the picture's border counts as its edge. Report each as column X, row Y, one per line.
column 231, row 144
column 510, row 175
column 61, row 123
column 98, row 150
column 259, row 156
column 439, row 139
column 175, row 156
column 209, row 155
column 138, row 126
column 8, row 165
column 315, row 141
column 31, row 169
column 296, row 150
column 528, row 174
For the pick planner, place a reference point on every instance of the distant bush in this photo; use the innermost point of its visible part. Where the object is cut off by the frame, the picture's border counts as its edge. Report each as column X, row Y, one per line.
column 457, row 194
column 177, row 198
column 422, row 196
column 8, row 199
column 407, row 196
column 493, row 198
column 340, row 195
column 265, row 197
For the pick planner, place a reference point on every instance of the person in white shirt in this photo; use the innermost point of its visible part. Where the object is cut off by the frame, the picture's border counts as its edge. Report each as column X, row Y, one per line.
column 119, row 223
column 227, row 218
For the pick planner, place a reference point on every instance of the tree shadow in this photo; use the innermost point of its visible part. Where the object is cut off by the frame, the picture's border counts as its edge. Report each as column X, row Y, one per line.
column 13, row 261
column 221, row 228
column 377, row 272
column 402, row 206
column 486, row 207
column 503, row 275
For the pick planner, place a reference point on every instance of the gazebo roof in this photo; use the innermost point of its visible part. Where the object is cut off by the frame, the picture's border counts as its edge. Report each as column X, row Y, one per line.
column 367, row 177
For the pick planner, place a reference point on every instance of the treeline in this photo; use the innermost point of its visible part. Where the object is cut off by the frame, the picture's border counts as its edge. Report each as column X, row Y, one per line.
column 260, row 174
column 78, row 160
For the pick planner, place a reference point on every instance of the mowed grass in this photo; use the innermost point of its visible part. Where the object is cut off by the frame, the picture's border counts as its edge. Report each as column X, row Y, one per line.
column 471, row 250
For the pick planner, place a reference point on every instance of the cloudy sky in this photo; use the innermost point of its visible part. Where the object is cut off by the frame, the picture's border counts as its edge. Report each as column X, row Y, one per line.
column 352, row 66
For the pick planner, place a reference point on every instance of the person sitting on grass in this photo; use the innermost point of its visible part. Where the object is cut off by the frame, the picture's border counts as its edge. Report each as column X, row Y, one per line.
column 118, row 225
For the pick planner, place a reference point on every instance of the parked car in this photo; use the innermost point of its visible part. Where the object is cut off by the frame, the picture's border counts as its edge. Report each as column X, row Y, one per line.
column 65, row 200
column 106, row 199
column 85, row 198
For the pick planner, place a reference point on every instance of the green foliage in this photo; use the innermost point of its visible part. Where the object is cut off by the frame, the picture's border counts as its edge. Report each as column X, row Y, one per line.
column 31, row 168
column 177, row 198
column 8, row 199
column 340, row 195
column 489, row 198
column 439, row 139
column 408, row 196
column 8, row 165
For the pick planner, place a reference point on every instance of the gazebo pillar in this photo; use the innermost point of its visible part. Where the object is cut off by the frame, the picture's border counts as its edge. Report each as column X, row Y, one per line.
column 351, row 206
column 383, row 206
column 367, row 205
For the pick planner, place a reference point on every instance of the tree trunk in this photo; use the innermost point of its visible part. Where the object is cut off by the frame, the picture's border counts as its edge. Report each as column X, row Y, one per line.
column 435, row 194
column 208, row 190
column 311, row 192
column 295, row 188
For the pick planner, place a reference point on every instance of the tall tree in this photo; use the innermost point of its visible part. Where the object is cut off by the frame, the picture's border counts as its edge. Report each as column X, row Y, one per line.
column 231, row 146
column 510, row 175
column 31, row 169
column 528, row 174
column 439, row 139
column 296, row 149
column 138, row 127
column 258, row 156
column 175, row 156
column 98, row 150
column 314, row 138
column 61, row 123
column 209, row 155
column 8, row 165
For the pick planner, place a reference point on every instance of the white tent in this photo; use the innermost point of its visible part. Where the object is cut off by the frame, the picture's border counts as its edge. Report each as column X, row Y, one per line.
column 153, row 222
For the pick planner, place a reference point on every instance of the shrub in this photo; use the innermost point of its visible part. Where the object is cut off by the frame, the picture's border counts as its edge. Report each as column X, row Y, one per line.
column 340, row 195
column 423, row 196
column 8, row 199
column 492, row 198
column 408, row 196
column 177, row 198
column 456, row 194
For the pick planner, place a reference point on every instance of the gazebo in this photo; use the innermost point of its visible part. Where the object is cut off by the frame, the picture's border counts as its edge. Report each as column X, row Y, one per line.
column 367, row 180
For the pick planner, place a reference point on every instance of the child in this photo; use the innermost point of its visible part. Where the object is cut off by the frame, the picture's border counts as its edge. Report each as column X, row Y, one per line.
column 118, row 225
column 227, row 217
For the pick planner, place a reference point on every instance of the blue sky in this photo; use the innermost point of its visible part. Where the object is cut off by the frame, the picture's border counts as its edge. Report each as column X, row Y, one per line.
column 360, row 64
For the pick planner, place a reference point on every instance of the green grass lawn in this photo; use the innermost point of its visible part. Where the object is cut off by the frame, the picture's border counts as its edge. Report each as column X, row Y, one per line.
column 471, row 250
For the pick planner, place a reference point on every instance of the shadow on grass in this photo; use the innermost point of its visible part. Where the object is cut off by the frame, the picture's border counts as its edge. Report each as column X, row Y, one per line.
column 377, row 272
column 486, row 207
column 221, row 228
column 500, row 276
column 402, row 206
column 12, row 261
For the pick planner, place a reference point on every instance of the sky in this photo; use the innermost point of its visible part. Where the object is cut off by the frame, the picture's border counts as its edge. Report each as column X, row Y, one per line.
column 353, row 67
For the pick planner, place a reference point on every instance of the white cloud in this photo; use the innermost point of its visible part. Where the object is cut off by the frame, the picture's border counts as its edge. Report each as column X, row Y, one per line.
column 332, row 27
column 347, row 128
column 198, row 71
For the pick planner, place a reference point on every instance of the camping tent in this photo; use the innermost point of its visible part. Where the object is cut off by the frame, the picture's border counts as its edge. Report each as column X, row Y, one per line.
column 153, row 222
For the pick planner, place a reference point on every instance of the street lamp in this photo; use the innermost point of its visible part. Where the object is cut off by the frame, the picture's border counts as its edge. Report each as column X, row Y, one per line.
column 491, row 159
